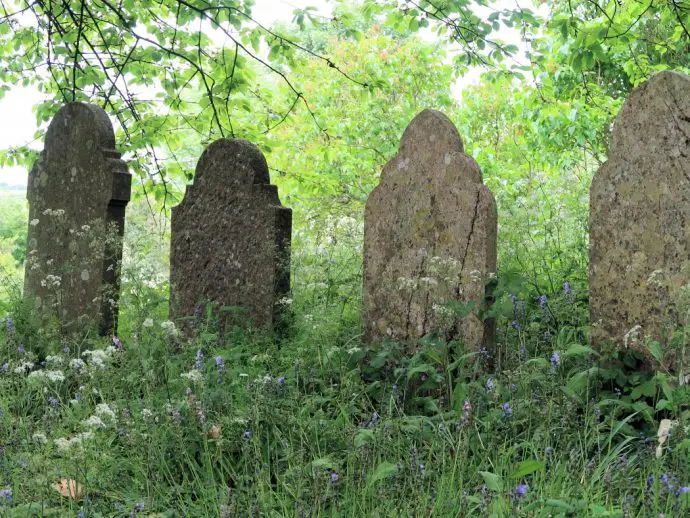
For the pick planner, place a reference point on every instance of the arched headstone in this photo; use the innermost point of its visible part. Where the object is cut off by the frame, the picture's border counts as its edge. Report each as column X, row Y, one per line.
column 429, row 240
column 231, row 237
column 77, row 191
column 639, row 240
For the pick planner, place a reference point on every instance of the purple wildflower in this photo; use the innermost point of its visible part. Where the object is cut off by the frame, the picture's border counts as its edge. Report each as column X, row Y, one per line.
column 334, row 477
column 549, row 450
column 221, row 365
column 683, row 490
column 555, row 359
column 9, row 325
column 117, row 343
column 484, row 353
column 422, row 471
column 281, row 381
column 53, row 402
column 66, row 349
column 5, row 367
column 21, row 349
column 515, row 324
column 199, row 359
column 247, row 435
column 521, row 490
column 542, row 301
column 6, row 495
column 507, row 410
column 490, row 385
column 566, row 289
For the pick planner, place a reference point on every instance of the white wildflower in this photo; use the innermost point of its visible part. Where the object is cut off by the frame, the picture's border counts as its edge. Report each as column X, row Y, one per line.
column 55, row 376
column 39, row 437
column 51, row 281
column 169, row 329
column 632, row 336
column 475, row 275
column 146, row 414
column 64, row 444
column 54, row 360
column 662, row 434
column 148, row 322
column 77, row 363
column 194, row 376
column 104, row 410
column 654, row 277
column 94, row 422
column 34, row 222
column 99, row 357
column 24, row 367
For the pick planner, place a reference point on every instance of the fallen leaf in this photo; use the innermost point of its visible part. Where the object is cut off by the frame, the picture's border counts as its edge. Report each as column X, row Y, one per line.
column 69, row 488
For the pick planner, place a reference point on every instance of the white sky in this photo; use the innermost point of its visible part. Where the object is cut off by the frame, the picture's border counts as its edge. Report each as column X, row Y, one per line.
column 19, row 123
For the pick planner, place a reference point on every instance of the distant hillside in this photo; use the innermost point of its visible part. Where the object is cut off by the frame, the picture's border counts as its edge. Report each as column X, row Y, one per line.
column 12, row 190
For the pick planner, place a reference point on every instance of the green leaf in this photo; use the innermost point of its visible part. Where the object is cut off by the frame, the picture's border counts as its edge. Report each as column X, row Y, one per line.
column 492, row 481
column 383, row 470
column 363, row 437
column 578, row 350
column 654, row 348
column 527, row 468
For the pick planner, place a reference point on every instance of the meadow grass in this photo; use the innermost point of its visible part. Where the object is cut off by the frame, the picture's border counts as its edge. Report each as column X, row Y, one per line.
column 230, row 422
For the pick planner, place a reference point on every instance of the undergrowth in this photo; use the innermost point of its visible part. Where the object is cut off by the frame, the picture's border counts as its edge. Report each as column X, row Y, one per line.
column 318, row 423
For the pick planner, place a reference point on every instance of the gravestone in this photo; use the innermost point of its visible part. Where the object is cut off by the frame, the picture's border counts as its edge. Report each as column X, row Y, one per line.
column 429, row 240
column 77, row 191
column 639, row 244
column 231, row 238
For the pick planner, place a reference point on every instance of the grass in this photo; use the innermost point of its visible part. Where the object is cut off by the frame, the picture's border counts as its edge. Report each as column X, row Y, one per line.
column 317, row 423
column 320, row 424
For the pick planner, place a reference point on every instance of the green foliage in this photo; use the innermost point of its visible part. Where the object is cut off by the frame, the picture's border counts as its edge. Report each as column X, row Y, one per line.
column 317, row 422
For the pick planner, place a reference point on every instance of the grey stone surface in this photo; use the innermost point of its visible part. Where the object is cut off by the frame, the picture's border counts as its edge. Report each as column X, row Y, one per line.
column 231, row 238
column 429, row 239
column 640, row 217
column 77, row 191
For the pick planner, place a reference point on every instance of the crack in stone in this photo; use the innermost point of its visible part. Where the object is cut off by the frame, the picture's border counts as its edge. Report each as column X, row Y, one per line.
column 469, row 237
column 684, row 117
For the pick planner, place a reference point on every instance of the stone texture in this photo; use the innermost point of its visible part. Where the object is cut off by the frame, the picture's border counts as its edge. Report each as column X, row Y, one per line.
column 429, row 239
column 231, row 238
column 78, row 190
column 639, row 248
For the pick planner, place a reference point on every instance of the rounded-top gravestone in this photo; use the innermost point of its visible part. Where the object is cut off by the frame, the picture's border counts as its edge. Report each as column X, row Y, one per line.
column 429, row 240
column 77, row 193
column 231, row 238
column 639, row 245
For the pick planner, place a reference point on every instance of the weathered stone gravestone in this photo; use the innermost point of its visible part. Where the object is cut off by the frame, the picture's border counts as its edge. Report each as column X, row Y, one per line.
column 639, row 244
column 231, row 237
column 429, row 240
column 78, row 190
